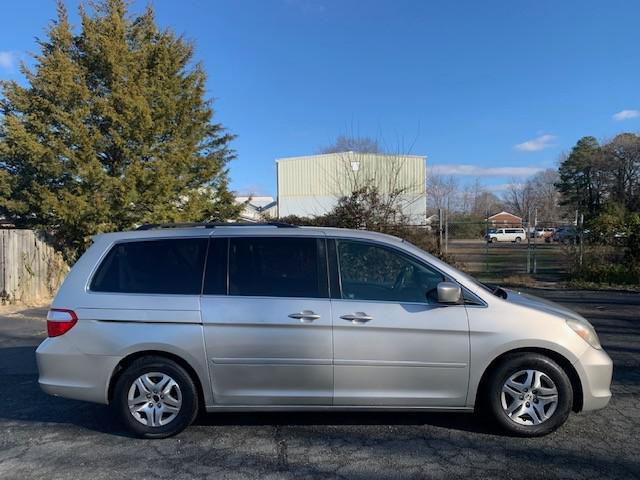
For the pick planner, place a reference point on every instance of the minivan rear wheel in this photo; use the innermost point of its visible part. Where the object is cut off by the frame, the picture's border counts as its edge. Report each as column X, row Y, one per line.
column 155, row 397
column 529, row 394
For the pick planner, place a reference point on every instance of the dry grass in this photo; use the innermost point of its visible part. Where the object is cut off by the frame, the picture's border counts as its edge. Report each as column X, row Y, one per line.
column 16, row 308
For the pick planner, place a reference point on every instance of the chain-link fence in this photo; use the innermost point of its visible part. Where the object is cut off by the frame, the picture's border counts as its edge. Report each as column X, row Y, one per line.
column 522, row 252
column 544, row 251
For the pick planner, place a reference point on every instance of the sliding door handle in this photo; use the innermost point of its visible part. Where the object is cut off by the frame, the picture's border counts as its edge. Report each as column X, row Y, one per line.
column 305, row 316
column 358, row 317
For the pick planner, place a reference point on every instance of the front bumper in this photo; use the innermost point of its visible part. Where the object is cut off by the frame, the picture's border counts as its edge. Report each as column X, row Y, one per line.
column 67, row 372
column 595, row 369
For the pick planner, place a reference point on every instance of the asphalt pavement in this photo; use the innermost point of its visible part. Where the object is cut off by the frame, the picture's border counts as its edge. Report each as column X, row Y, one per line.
column 53, row 438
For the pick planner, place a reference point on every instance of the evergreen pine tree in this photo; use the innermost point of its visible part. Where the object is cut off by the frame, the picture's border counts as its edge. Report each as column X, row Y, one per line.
column 582, row 177
column 111, row 130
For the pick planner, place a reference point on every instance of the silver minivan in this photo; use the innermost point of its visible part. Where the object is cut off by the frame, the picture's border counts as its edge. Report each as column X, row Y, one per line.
column 170, row 320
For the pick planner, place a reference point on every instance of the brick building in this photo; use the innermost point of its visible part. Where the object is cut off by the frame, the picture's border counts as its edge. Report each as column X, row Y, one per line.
column 505, row 219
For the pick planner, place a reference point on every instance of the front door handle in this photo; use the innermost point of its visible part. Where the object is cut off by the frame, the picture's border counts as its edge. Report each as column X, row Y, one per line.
column 305, row 316
column 358, row 317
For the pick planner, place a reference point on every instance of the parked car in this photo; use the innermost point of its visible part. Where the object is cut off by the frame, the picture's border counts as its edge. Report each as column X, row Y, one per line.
column 544, row 232
column 567, row 235
column 162, row 323
column 507, row 235
column 619, row 238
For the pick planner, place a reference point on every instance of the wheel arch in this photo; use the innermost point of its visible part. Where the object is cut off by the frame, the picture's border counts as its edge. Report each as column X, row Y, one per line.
column 561, row 360
column 129, row 359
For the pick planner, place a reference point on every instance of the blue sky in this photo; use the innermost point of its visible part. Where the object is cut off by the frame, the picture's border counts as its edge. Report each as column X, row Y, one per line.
column 490, row 89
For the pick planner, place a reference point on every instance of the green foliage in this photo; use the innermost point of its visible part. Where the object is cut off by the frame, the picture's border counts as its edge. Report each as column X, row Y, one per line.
column 593, row 175
column 603, row 183
column 632, row 253
column 112, row 130
column 580, row 183
column 466, row 226
column 622, row 159
column 366, row 209
column 612, row 255
column 601, row 268
column 608, row 224
column 361, row 263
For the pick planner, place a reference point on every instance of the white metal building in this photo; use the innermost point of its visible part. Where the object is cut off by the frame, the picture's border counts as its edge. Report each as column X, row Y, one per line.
column 312, row 185
column 256, row 208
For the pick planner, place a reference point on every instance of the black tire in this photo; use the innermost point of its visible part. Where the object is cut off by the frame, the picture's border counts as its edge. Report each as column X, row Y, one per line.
column 188, row 410
column 514, row 363
column 518, row 239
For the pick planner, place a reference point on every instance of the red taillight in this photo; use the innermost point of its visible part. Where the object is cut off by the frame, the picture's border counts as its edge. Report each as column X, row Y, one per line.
column 60, row 321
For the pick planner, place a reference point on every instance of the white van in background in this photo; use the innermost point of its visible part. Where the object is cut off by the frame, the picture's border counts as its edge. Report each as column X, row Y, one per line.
column 507, row 235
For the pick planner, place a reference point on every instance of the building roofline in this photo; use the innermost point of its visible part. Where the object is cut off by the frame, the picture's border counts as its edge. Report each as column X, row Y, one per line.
column 303, row 157
column 505, row 213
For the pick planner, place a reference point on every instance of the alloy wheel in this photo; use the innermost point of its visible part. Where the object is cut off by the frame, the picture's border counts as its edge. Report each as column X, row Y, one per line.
column 529, row 397
column 154, row 399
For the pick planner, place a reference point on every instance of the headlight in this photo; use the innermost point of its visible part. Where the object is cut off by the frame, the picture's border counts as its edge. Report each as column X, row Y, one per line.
column 586, row 331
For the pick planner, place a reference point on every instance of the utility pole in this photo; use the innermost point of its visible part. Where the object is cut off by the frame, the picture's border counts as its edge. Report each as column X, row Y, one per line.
column 528, row 233
column 535, row 228
column 486, row 243
column 440, row 230
column 446, row 229
column 581, row 239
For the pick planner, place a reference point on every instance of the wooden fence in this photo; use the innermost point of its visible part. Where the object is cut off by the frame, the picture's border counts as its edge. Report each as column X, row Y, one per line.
column 30, row 270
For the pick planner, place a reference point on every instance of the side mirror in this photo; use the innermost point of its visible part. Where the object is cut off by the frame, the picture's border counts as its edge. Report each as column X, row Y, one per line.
column 449, row 292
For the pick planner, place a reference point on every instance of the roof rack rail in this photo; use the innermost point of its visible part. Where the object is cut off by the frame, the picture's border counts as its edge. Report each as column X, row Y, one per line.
column 154, row 226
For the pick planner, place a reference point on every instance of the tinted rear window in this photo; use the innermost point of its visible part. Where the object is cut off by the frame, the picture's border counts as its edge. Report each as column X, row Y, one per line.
column 277, row 267
column 156, row 266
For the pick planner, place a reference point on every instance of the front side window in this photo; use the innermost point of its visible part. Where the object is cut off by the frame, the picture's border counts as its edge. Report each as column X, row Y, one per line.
column 172, row 266
column 373, row 272
column 277, row 267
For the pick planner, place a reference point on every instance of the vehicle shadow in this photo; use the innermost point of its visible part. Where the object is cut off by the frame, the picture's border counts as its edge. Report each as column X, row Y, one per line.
column 24, row 401
column 466, row 422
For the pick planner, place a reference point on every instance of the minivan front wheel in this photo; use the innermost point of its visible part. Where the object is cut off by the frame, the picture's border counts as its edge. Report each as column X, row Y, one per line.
column 155, row 397
column 529, row 395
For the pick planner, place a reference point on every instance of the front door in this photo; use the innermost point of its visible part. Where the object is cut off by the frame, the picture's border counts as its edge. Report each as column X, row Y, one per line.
column 268, row 323
column 392, row 345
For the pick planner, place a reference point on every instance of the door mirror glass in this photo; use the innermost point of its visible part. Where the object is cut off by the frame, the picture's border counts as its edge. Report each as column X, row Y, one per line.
column 449, row 292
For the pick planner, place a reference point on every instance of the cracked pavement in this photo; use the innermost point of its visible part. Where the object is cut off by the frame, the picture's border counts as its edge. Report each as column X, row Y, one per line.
column 47, row 437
